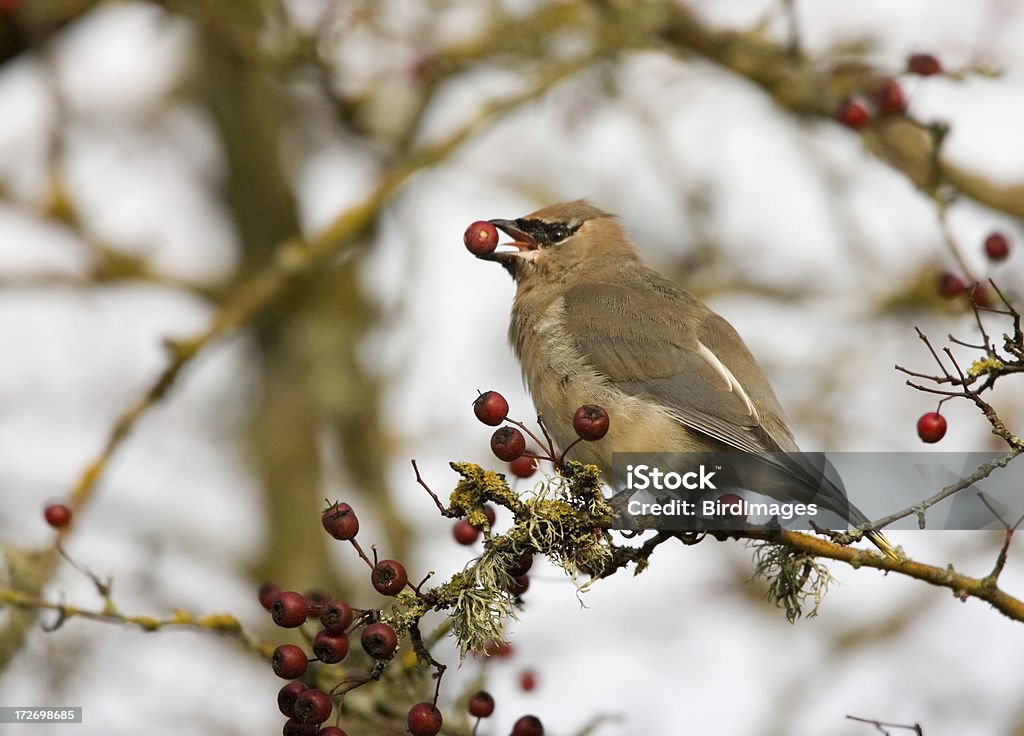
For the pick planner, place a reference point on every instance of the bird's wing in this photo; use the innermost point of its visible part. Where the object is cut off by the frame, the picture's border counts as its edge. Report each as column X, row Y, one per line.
column 657, row 340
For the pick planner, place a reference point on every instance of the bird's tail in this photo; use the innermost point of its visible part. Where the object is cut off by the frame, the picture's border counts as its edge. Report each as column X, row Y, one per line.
column 879, row 540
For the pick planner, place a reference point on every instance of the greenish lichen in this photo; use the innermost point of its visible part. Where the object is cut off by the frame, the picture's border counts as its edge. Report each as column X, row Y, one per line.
column 793, row 578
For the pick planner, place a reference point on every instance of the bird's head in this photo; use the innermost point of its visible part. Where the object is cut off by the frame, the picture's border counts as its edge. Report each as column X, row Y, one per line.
column 558, row 239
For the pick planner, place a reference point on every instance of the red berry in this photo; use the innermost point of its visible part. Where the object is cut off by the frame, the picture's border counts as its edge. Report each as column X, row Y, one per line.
column 590, row 422
column 980, row 295
column 481, row 237
column 508, row 443
column 528, row 681
column 465, row 533
column 522, row 567
column 330, row 648
column 286, row 697
column 500, row 649
column 490, row 515
column 424, row 719
column 331, row 731
column 528, row 726
column 336, row 616
column 289, row 609
column 490, row 408
column 997, row 247
column 519, row 585
column 313, row 706
column 316, row 599
column 931, row 427
column 890, row 97
column 481, row 704
column 340, row 521
column 294, row 727
column 923, row 64
column 268, row 592
column 57, row 515
column 854, row 113
column 727, row 500
column 950, row 285
column 388, row 577
column 379, row 640
column 523, row 467
column 289, row 662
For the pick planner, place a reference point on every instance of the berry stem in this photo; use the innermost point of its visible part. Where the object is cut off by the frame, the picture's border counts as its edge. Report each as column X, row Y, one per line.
column 362, row 554
column 419, row 479
column 532, row 436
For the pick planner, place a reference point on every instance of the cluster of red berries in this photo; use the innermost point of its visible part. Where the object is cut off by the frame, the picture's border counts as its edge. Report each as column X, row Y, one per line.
column 856, row 112
column 509, row 444
column 889, row 98
column 307, row 707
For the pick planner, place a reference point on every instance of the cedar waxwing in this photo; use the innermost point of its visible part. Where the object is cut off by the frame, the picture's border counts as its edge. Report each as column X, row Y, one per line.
column 591, row 324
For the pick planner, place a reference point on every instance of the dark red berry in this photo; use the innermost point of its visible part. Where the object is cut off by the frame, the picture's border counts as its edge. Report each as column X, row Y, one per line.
column 465, row 533
column 331, row 731
column 424, row 719
column 931, row 427
column 527, row 681
column 489, row 514
column 590, row 422
column 924, row 65
column 997, row 247
column 731, row 506
column 481, row 237
column 508, row 443
column 289, row 609
column 490, row 408
column 313, row 706
column 268, row 592
column 980, row 295
column 890, row 97
column 519, row 585
column 57, row 515
column 336, row 616
column 480, row 704
column 379, row 640
column 330, row 648
column 528, row 726
column 500, row 649
column 286, row 697
column 340, row 521
column 293, row 727
column 854, row 113
column 950, row 285
column 522, row 567
column 289, row 662
column 388, row 577
column 316, row 600
column 523, row 467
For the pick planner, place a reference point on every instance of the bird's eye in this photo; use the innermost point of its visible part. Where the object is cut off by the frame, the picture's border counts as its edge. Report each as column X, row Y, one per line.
column 558, row 233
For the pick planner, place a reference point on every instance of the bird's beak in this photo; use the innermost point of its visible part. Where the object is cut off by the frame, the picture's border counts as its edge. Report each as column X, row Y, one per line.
column 524, row 244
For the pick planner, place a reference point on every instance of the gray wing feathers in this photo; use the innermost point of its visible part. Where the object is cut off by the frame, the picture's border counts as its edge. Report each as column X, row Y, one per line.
column 678, row 361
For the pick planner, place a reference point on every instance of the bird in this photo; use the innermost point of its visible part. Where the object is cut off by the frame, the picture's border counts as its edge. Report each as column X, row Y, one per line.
column 592, row 324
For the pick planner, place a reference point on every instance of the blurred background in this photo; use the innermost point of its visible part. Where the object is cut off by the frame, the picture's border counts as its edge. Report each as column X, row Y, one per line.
column 281, row 188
